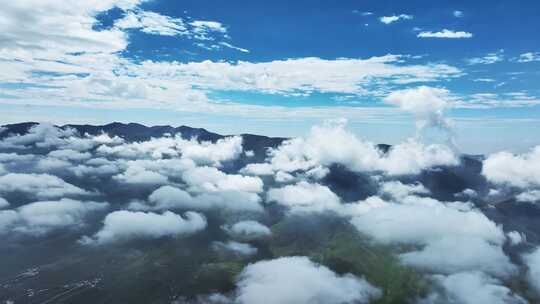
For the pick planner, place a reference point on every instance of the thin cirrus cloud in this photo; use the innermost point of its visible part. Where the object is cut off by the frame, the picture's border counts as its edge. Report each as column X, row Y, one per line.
column 445, row 33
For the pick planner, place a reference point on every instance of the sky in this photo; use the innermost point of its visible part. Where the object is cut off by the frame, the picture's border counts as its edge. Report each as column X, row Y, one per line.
column 277, row 68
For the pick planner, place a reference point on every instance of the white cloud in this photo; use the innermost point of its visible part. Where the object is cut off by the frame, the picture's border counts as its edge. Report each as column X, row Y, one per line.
column 228, row 45
column 426, row 103
column 529, row 196
column 516, row 238
column 152, row 23
column 298, row 280
column 305, row 197
column 397, row 190
column 247, row 230
column 451, row 237
column 126, row 225
column 445, row 33
column 458, row 14
column 528, row 57
column 472, row 288
column 489, row 58
column 532, row 260
column 241, row 249
column 421, row 221
column 139, row 175
column 38, row 185
column 210, row 179
column 3, row 203
column 42, row 217
column 168, row 197
column 454, row 254
column 315, row 150
column 394, row 18
column 515, row 170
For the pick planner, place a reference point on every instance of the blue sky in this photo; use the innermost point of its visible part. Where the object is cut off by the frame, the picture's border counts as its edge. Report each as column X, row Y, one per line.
column 277, row 67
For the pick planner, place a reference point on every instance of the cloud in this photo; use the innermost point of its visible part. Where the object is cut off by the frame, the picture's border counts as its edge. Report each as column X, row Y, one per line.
column 532, row 260
column 315, row 150
column 515, row 170
column 397, row 190
column 445, row 33
column 427, row 104
column 3, row 203
column 247, row 230
column 126, row 225
column 529, row 196
column 141, row 176
column 38, row 185
column 305, row 197
column 230, row 46
column 42, row 217
column 152, row 23
column 240, row 249
column 168, row 197
column 454, row 254
column 452, row 236
column 458, row 14
column 394, row 18
column 528, row 57
column 298, row 280
column 209, row 179
column 473, row 287
column 489, row 58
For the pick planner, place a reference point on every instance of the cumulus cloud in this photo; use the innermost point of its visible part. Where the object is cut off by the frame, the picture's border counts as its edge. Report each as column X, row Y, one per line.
column 126, row 225
column 236, row 248
column 397, row 190
column 532, row 260
column 168, row 197
column 38, row 185
column 248, row 230
column 298, row 280
column 515, row 170
column 471, row 288
column 445, row 33
column 41, row 217
column 454, row 254
column 139, row 175
column 529, row 196
column 202, row 153
column 210, row 179
column 305, row 197
column 3, row 203
column 303, row 154
column 427, row 104
column 452, row 236
column 394, row 18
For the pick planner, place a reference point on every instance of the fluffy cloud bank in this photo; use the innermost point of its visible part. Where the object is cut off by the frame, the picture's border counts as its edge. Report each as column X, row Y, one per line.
column 532, row 261
column 427, row 104
column 298, row 280
column 38, row 185
column 473, row 288
column 126, row 225
column 347, row 149
column 515, row 170
column 248, row 230
column 41, row 217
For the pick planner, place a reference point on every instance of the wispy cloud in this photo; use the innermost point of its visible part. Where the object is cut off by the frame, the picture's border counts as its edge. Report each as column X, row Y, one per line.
column 489, row 58
column 394, row 18
column 445, row 33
